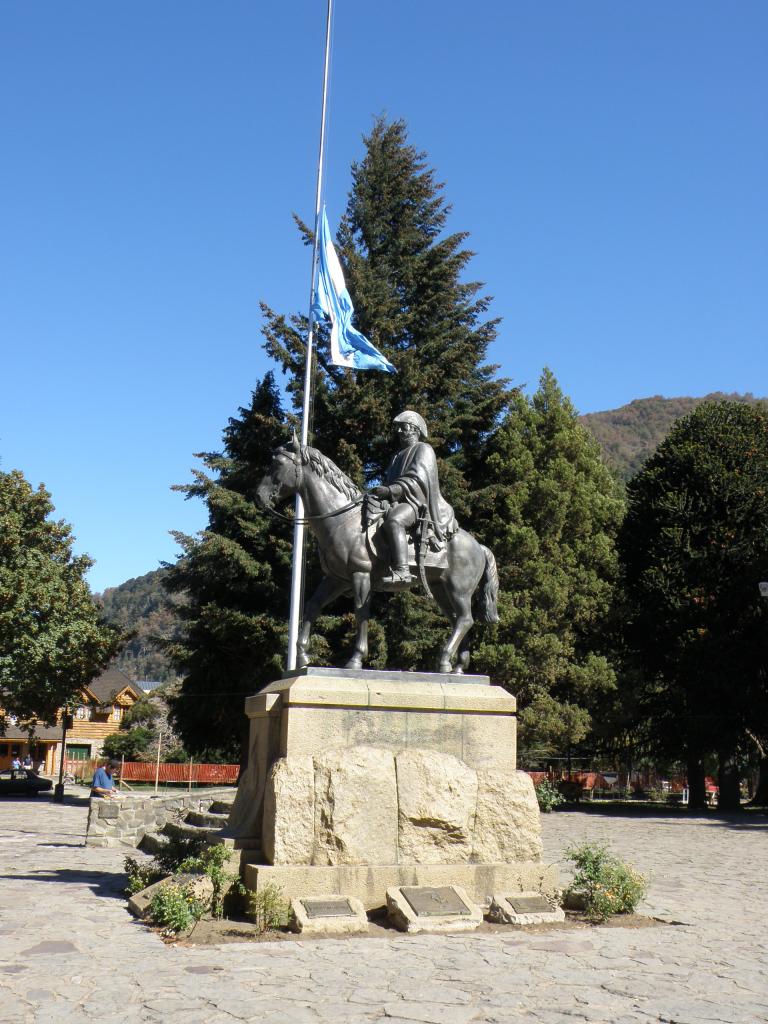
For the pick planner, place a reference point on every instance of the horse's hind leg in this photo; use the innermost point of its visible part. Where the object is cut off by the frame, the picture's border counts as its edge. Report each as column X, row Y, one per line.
column 361, row 591
column 458, row 609
column 326, row 591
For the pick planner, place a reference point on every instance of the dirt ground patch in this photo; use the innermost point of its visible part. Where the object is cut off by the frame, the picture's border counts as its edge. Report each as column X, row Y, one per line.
column 215, row 933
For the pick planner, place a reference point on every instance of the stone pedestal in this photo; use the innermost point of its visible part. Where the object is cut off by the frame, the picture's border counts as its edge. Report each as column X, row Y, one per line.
column 359, row 781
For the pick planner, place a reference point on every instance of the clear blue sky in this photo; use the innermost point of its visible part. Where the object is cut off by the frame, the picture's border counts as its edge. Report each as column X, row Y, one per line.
column 609, row 159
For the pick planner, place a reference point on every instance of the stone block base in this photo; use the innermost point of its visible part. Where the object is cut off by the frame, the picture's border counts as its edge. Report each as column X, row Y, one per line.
column 504, row 912
column 406, row 919
column 353, row 922
column 369, row 882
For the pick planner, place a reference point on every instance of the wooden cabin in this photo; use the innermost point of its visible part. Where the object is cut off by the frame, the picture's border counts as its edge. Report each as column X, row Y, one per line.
column 98, row 712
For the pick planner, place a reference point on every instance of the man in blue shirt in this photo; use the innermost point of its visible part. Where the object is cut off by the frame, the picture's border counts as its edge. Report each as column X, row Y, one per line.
column 103, row 785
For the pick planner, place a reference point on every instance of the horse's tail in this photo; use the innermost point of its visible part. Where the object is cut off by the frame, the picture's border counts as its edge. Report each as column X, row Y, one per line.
column 490, row 588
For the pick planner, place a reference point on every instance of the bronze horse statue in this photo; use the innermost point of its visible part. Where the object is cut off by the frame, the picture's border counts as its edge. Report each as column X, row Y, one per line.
column 355, row 563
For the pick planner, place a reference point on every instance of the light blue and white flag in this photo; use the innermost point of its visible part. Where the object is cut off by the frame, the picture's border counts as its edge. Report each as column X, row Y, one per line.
column 348, row 346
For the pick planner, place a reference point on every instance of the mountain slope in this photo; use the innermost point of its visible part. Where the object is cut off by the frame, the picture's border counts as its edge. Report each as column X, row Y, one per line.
column 630, row 434
column 141, row 605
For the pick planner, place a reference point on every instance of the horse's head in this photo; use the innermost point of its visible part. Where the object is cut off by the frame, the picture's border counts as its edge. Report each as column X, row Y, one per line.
column 283, row 477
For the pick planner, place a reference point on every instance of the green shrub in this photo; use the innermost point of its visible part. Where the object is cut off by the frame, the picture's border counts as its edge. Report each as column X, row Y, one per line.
column 140, row 875
column 179, row 850
column 210, row 861
column 268, row 908
column 603, row 883
column 548, row 796
column 175, row 909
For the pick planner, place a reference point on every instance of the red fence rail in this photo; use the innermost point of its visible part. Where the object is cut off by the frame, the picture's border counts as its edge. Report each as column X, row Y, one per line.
column 145, row 771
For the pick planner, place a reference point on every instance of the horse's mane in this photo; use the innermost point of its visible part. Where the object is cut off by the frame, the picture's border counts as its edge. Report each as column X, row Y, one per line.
column 323, row 466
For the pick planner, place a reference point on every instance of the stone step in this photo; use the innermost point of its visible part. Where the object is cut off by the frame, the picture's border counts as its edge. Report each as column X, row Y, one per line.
column 153, row 843
column 253, row 855
column 206, row 819
column 182, row 830
column 221, row 806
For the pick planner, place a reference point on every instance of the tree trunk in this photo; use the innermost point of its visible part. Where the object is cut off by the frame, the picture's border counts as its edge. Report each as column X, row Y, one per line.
column 728, row 783
column 760, row 798
column 697, row 797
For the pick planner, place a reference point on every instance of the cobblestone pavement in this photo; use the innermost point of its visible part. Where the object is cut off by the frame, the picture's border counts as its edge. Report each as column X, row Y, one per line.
column 69, row 952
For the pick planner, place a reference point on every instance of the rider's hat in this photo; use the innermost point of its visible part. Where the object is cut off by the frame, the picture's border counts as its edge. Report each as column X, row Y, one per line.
column 412, row 417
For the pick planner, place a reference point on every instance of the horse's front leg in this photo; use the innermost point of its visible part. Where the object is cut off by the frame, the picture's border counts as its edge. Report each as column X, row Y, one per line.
column 361, row 591
column 327, row 590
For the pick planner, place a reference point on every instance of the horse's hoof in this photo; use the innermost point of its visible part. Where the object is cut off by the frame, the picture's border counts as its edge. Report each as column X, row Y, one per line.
column 302, row 661
column 355, row 662
column 458, row 671
column 446, row 667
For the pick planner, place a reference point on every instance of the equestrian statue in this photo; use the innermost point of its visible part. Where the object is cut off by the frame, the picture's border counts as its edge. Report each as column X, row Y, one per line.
column 369, row 542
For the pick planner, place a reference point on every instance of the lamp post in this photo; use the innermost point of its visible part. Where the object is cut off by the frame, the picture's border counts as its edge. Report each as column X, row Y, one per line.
column 58, row 789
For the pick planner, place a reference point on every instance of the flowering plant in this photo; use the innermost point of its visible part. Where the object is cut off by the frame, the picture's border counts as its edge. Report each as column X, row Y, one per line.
column 603, row 884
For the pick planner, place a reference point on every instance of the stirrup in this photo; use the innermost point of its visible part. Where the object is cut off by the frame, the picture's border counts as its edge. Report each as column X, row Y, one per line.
column 400, row 574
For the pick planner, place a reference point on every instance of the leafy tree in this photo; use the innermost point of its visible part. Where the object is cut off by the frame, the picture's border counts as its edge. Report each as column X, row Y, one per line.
column 144, row 712
column 52, row 640
column 694, row 546
column 551, row 513
column 129, row 743
column 235, row 576
column 405, row 278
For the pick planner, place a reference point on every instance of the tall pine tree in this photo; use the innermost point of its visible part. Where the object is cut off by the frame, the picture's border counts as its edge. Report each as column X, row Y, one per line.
column 550, row 512
column 236, row 578
column 405, row 278
column 521, row 474
column 694, row 546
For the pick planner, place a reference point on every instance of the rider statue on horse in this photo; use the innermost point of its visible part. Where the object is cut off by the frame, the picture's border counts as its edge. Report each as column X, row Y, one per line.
column 410, row 492
column 359, row 561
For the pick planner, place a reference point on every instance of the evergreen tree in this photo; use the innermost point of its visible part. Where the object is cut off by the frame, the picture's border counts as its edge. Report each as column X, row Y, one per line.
column 235, row 576
column 694, row 546
column 405, row 279
column 52, row 639
column 550, row 514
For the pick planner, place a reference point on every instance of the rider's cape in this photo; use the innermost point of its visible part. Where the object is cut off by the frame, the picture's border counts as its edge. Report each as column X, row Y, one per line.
column 415, row 470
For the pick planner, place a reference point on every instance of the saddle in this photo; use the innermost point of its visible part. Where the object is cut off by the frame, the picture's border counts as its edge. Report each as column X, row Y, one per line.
column 433, row 553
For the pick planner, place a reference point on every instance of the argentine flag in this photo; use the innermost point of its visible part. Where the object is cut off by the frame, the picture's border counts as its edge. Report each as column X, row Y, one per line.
column 348, row 346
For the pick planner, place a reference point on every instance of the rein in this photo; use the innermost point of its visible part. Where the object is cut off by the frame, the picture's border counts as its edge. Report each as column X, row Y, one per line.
column 304, row 520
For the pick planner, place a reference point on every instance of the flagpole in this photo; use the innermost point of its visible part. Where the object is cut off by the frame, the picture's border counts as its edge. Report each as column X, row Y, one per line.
column 297, row 569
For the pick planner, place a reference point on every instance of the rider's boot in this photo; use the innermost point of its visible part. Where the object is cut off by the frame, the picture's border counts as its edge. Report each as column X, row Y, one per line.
column 398, row 546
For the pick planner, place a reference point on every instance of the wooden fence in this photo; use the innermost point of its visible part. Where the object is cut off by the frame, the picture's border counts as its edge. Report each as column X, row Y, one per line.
column 190, row 774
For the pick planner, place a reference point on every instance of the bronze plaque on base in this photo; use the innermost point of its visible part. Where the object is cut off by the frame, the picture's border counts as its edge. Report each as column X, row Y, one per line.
column 529, row 904
column 327, row 908
column 434, row 901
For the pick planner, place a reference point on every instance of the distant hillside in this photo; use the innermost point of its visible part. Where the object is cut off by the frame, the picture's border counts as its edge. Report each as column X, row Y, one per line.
column 141, row 605
column 630, row 434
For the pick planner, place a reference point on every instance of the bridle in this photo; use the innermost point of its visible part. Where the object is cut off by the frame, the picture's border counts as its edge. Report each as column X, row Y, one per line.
column 306, row 520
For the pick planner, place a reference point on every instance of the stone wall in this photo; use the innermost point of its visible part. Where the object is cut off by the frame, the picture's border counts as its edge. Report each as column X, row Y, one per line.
column 126, row 820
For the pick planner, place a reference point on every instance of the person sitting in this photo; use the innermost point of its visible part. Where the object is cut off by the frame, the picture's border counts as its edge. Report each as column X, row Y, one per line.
column 27, row 763
column 15, row 763
column 103, row 785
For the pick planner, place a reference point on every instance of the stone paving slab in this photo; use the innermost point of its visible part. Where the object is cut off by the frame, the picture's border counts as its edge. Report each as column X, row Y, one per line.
column 70, row 952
